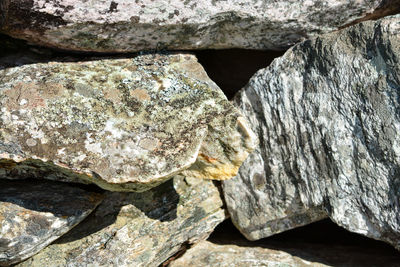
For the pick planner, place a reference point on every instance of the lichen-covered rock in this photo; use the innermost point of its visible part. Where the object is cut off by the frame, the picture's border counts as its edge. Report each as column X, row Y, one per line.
column 124, row 25
column 139, row 229
column 123, row 124
column 206, row 253
column 327, row 117
column 34, row 214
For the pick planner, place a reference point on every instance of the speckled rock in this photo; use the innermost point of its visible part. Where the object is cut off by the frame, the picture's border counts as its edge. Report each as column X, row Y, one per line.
column 34, row 214
column 123, row 124
column 139, row 229
column 123, row 26
column 206, row 253
column 327, row 116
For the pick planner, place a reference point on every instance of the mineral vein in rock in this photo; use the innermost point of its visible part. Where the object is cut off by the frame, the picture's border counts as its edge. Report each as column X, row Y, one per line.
column 124, row 124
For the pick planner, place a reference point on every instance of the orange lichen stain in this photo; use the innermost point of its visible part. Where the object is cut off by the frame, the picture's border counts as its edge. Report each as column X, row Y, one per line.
column 24, row 95
column 7, row 164
column 24, row 213
column 140, row 94
column 131, row 68
column 114, row 95
column 207, row 158
column 220, row 171
column 52, row 90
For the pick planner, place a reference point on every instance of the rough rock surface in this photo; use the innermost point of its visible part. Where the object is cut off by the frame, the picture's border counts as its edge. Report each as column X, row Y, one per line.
column 327, row 114
column 139, row 229
column 34, row 214
column 122, row 25
column 206, row 253
column 124, row 124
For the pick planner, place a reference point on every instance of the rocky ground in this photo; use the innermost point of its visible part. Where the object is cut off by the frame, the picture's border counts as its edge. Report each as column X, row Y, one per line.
column 128, row 138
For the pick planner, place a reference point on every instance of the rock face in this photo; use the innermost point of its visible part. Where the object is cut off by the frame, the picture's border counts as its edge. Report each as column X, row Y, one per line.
column 32, row 215
column 123, row 124
column 327, row 116
column 206, row 253
column 123, row 26
column 139, row 229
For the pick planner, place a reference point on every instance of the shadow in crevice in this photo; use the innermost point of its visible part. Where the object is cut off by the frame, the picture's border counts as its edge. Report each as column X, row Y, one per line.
column 159, row 203
column 60, row 199
column 15, row 53
column 320, row 242
column 231, row 69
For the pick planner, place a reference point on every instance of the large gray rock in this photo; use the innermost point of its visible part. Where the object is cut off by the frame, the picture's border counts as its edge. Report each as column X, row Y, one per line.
column 34, row 214
column 123, row 124
column 123, row 26
column 327, row 115
column 139, row 229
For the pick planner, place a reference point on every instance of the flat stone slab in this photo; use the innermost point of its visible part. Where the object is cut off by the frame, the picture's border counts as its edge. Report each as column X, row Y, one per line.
column 33, row 214
column 139, row 229
column 123, row 124
column 126, row 26
column 327, row 117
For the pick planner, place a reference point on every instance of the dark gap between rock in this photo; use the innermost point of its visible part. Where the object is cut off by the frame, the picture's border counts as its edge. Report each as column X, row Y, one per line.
column 321, row 242
column 231, row 69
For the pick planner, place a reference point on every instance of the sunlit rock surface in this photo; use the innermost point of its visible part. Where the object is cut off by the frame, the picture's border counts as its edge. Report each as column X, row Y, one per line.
column 327, row 117
column 33, row 214
column 139, row 229
column 123, row 26
column 123, row 124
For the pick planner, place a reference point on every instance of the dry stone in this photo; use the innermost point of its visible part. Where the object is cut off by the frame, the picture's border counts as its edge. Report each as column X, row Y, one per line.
column 34, row 214
column 139, row 229
column 327, row 115
column 123, row 124
column 125, row 26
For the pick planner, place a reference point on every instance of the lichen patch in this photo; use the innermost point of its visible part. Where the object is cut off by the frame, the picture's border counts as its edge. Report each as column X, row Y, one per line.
column 109, row 121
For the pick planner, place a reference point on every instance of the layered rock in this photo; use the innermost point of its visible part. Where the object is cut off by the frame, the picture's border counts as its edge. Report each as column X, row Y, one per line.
column 327, row 116
column 123, row 26
column 32, row 215
column 139, row 229
column 123, row 124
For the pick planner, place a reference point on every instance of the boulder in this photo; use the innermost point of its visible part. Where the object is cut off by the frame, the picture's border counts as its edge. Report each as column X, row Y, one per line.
column 34, row 214
column 126, row 26
column 123, row 124
column 327, row 115
column 139, row 229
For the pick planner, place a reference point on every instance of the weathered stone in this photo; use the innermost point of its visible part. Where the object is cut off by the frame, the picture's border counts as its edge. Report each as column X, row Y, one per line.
column 123, row 26
column 206, row 253
column 34, row 214
column 139, row 229
column 123, row 124
column 327, row 117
